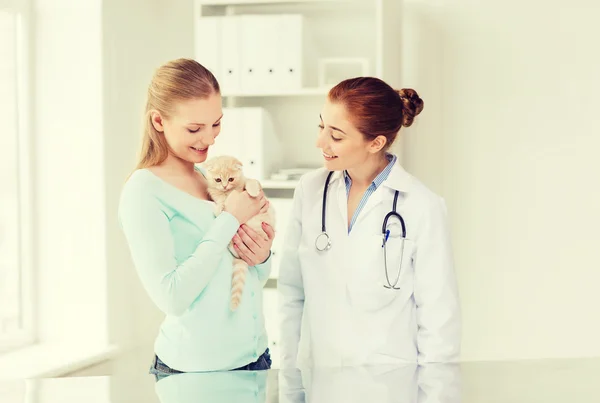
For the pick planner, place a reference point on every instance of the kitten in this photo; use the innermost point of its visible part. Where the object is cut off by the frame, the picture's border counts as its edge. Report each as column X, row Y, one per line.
column 224, row 174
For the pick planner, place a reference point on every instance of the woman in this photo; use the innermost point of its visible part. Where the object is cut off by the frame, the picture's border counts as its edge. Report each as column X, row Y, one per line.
column 178, row 247
column 354, row 288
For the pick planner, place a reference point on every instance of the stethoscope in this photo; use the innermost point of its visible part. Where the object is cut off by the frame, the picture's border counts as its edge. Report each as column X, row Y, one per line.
column 323, row 241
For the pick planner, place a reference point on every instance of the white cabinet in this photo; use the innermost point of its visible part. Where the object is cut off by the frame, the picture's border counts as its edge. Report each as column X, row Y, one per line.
column 283, row 209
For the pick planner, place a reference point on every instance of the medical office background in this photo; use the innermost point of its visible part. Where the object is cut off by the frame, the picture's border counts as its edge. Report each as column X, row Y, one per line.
column 509, row 137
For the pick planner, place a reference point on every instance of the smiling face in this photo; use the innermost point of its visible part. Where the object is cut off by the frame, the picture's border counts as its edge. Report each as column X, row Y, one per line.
column 191, row 128
column 342, row 145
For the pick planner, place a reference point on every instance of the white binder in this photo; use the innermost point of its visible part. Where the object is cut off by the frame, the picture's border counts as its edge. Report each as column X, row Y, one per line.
column 290, row 35
column 227, row 142
column 207, row 44
column 230, row 77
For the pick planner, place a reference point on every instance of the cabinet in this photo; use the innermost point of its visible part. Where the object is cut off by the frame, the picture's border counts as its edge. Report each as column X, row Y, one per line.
column 282, row 57
column 283, row 210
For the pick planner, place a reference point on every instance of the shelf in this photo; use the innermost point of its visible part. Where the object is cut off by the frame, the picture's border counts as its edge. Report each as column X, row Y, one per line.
column 271, row 184
column 291, row 93
column 243, row 2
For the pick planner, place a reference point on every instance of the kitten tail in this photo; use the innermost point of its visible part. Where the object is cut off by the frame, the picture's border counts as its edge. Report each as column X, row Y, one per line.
column 240, row 268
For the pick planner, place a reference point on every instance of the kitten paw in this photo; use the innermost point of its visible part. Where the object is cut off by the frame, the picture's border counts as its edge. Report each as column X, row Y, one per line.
column 253, row 187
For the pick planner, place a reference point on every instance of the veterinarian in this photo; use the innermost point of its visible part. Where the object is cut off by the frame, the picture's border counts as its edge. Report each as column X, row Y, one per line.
column 178, row 247
column 366, row 275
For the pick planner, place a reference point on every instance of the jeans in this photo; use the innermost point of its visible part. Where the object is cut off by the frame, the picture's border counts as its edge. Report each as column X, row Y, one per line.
column 161, row 370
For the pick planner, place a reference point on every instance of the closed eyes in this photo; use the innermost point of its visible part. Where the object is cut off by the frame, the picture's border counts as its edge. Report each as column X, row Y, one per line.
column 196, row 131
column 332, row 137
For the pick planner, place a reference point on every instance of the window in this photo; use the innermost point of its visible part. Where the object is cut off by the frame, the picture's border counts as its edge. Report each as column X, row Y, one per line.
column 16, row 284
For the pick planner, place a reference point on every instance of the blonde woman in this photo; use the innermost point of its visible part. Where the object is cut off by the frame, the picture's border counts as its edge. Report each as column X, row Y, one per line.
column 178, row 247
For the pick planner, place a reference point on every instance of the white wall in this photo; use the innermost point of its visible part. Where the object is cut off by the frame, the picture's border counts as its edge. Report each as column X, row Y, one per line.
column 93, row 61
column 510, row 136
column 138, row 37
column 69, row 172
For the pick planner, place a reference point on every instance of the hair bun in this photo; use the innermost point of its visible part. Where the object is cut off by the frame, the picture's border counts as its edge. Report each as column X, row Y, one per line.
column 412, row 105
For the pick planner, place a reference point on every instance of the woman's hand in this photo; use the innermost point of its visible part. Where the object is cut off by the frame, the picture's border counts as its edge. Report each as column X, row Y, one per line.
column 243, row 207
column 252, row 247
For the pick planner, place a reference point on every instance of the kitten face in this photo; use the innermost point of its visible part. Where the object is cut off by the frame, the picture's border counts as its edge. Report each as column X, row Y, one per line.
column 223, row 173
column 225, row 180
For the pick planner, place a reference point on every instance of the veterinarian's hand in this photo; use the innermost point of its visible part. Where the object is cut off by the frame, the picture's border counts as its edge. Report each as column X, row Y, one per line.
column 242, row 206
column 252, row 247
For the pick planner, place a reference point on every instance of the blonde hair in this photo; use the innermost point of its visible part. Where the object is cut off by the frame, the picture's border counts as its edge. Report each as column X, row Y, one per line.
column 175, row 81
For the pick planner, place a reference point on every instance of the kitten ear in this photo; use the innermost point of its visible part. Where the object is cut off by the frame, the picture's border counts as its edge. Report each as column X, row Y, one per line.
column 237, row 163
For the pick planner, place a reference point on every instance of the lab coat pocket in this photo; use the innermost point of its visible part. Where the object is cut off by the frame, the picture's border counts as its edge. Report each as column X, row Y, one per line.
column 371, row 286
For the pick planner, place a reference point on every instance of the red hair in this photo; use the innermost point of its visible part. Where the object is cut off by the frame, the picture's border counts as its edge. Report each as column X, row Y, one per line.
column 375, row 108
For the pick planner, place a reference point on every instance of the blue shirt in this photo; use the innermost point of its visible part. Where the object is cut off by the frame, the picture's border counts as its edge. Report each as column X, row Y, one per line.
column 179, row 250
column 379, row 179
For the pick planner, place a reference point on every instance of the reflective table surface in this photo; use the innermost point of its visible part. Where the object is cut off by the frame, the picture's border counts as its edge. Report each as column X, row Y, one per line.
column 524, row 382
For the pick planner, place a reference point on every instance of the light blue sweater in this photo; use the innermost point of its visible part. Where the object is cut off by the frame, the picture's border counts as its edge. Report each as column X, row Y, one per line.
column 179, row 250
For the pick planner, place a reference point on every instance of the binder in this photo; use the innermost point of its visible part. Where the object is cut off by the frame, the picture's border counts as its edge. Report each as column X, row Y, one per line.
column 252, row 135
column 262, row 152
column 228, row 141
column 230, row 77
column 291, row 52
column 207, row 44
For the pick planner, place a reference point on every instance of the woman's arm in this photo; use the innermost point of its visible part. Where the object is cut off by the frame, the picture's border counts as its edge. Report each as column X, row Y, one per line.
column 290, row 286
column 436, row 291
column 263, row 270
column 173, row 287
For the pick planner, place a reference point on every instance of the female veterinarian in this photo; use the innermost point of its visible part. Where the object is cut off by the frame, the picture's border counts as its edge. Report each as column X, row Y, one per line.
column 366, row 276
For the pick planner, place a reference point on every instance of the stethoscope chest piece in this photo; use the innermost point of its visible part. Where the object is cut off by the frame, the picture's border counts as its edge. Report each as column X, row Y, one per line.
column 323, row 242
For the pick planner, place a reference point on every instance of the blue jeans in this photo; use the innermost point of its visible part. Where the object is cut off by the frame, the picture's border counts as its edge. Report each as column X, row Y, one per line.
column 161, row 370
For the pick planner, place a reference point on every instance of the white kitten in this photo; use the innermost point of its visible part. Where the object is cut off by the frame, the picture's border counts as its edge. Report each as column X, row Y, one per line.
column 224, row 174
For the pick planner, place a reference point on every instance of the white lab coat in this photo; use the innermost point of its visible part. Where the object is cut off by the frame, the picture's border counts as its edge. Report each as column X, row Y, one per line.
column 333, row 306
